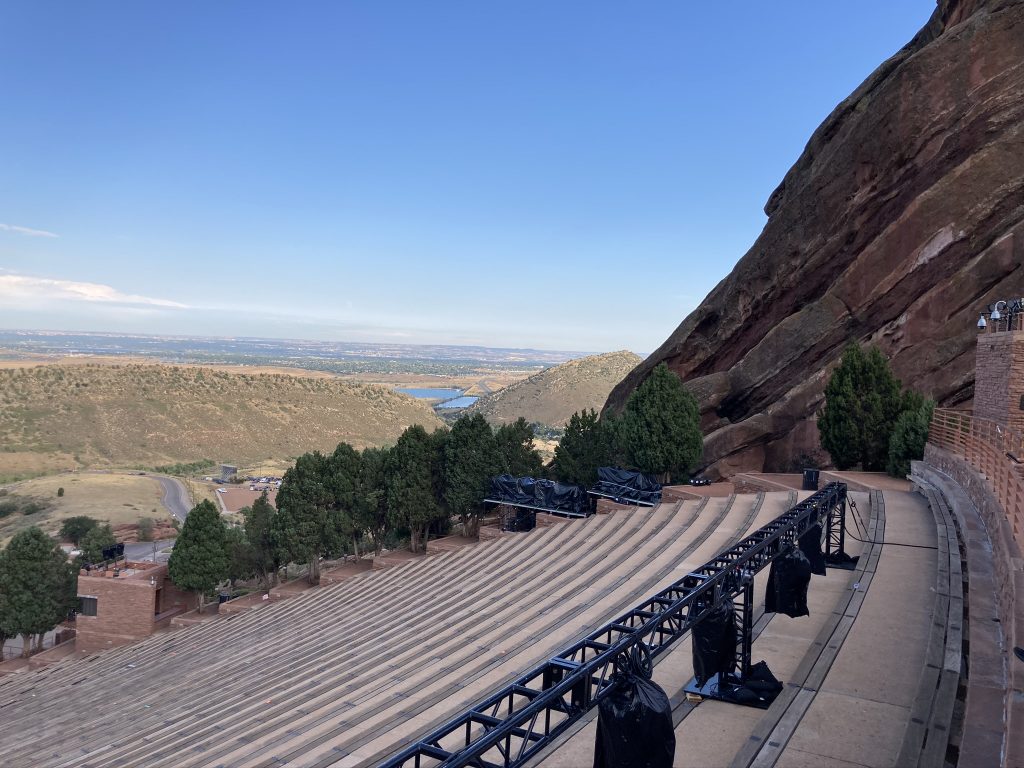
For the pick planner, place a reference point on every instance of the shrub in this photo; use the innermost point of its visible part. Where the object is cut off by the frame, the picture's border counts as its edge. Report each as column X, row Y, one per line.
column 60, row 492
column 74, row 528
column 145, row 529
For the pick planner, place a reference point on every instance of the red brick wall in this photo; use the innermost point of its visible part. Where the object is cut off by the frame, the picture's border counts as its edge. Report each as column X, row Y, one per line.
column 124, row 608
column 999, row 377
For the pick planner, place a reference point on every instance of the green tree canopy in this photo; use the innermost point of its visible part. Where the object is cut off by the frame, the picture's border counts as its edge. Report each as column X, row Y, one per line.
column 342, row 482
column 199, row 561
column 241, row 555
column 862, row 402
column 586, row 445
column 515, row 448
column 74, row 528
column 304, row 530
column 410, row 474
column 37, row 586
column 95, row 541
column 659, row 429
column 259, row 531
column 371, row 510
column 472, row 458
column 909, row 436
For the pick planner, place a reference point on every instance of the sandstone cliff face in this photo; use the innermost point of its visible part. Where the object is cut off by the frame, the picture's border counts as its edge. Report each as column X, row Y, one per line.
column 903, row 217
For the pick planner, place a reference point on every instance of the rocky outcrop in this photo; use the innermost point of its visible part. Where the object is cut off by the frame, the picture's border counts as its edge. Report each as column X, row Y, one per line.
column 903, row 217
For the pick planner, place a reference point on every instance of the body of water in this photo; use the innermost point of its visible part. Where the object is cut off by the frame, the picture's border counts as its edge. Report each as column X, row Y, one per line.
column 459, row 402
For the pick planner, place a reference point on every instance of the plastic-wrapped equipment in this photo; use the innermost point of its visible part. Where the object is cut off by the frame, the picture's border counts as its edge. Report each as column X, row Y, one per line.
column 714, row 643
column 787, row 584
column 634, row 721
column 810, row 545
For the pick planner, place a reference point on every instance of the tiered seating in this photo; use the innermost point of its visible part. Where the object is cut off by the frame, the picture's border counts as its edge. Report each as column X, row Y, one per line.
column 348, row 673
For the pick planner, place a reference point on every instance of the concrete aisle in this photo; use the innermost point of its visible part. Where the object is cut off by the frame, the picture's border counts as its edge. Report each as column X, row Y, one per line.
column 859, row 715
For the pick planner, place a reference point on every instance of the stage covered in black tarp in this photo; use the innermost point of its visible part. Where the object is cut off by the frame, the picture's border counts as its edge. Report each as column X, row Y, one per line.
column 539, row 495
column 626, row 487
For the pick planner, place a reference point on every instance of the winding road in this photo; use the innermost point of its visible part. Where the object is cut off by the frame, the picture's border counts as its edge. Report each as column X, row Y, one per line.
column 175, row 497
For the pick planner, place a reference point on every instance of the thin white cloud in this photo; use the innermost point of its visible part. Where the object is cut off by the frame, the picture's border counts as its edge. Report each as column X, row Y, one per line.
column 27, row 231
column 25, row 289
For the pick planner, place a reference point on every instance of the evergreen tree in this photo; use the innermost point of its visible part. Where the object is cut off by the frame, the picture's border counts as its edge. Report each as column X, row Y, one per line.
column 74, row 528
column 909, row 436
column 659, row 429
column 471, row 460
column 412, row 503
column 37, row 586
column 95, row 541
column 240, row 555
column 862, row 403
column 343, row 483
column 515, row 447
column 199, row 561
column 303, row 528
column 372, row 499
column 259, row 526
column 585, row 446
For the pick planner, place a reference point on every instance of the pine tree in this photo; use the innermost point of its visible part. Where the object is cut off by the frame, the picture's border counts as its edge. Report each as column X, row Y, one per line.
column 585, row 446
column 199, row 561
column 515, row 446
column 259, row 525
column 302, row 523
column 37, row 586
column 659, row 429
column 343, row 483
column 241, row 555
column 909, row 436
column 372, row 497
column 412, row 503
column 862, row 402
column 471, row 460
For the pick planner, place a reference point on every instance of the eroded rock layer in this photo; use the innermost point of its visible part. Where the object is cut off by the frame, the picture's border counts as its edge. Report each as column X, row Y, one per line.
column 903, row 217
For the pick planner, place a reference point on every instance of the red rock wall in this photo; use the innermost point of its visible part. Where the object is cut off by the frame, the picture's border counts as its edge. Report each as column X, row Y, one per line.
column 901, row 219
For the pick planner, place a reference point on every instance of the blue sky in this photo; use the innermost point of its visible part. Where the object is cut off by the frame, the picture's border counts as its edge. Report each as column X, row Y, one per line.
column 561, row 175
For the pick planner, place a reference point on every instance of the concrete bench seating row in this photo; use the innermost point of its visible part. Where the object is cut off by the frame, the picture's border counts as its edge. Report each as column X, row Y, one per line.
column 347, row 673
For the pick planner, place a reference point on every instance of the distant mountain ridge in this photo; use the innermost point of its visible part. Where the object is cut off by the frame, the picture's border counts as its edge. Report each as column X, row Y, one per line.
column 146, row 415
column 553, row 395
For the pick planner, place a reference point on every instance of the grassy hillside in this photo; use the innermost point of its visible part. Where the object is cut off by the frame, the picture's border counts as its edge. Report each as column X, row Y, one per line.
column 116, row 499
column 553, row 395
column 67, row 416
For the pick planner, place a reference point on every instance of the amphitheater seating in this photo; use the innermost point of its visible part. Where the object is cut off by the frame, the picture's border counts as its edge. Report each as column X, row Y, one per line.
column 348, row 673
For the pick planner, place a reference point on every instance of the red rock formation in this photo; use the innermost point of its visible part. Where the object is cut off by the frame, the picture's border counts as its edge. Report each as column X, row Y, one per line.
column 901, row 219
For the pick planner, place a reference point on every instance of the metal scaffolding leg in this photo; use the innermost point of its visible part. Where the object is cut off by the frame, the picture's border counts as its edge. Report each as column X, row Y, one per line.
column 724, row 687
column 835, row 538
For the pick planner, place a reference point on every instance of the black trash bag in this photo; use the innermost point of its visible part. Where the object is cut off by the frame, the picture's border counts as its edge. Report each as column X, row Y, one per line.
column 714, row 643
column 810, row 545
column 634, row 723
column 842, row 560
column 787, row 585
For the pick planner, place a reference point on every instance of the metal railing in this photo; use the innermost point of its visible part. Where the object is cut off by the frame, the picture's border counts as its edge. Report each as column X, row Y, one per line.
column 994, row 451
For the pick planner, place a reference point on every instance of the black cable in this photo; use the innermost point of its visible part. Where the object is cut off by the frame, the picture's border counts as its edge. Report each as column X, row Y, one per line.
column 856, row 511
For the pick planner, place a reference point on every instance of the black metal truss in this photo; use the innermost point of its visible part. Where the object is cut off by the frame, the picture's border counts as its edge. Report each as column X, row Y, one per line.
column 513, row 724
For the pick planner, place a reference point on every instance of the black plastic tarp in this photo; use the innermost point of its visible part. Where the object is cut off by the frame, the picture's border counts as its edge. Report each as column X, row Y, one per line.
column 543, row 494
column 714, row 643
column 788, row 578
column 628, row 486
column 634, row 722
column 810, row 545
